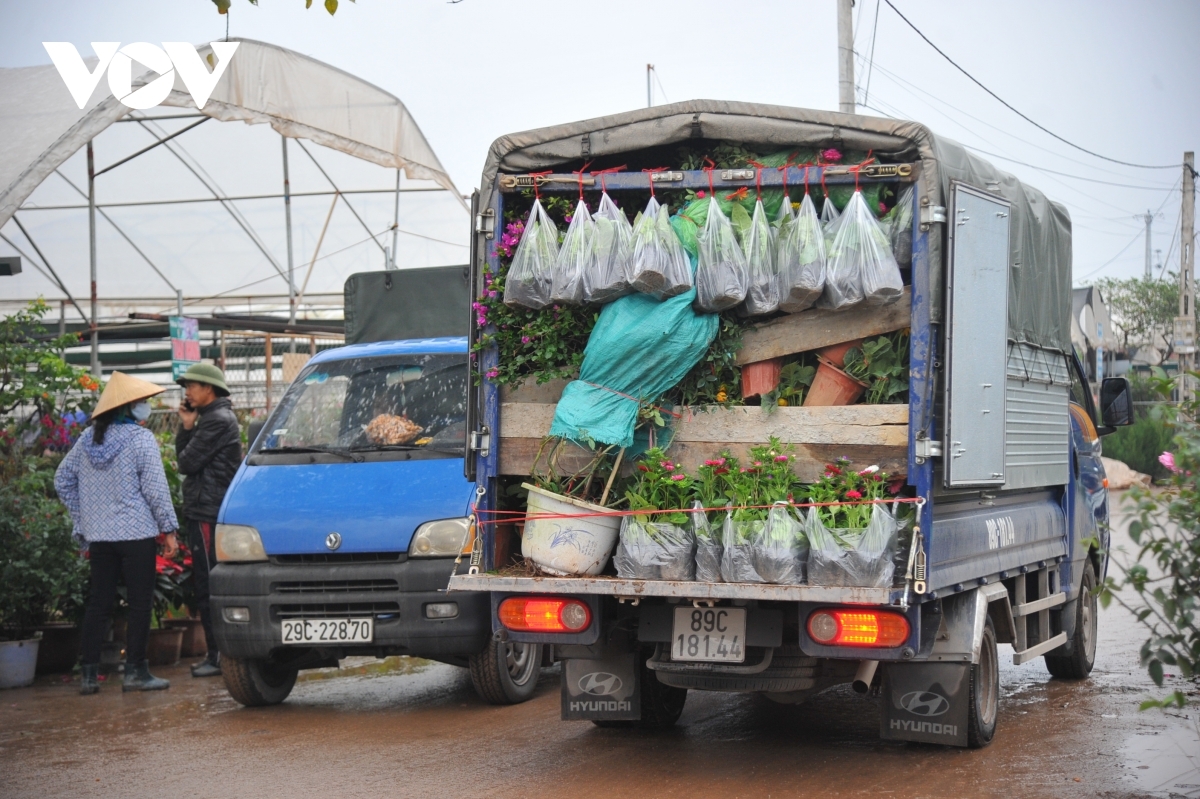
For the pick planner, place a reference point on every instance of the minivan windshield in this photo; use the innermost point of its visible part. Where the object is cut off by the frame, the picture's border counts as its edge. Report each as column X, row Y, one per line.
column 393, row 402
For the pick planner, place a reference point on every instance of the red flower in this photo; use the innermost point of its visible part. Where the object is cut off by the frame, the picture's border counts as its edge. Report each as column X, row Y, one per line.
column 853, row 494
column 829, row 467
column 722, row 470
column 895, row 486
column 642, row 467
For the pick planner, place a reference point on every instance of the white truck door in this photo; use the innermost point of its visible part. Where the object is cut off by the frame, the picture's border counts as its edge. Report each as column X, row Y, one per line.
column 976, row 338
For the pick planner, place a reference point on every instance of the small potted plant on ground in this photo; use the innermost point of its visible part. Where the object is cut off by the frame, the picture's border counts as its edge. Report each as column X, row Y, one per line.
column 164, row 644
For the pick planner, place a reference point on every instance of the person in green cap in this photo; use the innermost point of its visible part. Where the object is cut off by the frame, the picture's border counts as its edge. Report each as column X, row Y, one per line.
column 209, row 449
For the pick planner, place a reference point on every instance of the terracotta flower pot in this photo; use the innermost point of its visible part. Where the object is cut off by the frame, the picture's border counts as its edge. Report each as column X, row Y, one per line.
column 832, row 386
column 836, row 354
column 59, row 648
column 761, row 377
column 194, row 643
column 163, row 645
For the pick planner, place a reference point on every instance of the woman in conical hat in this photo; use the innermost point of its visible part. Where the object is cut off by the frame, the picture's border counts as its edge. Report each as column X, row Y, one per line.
column 112, row 482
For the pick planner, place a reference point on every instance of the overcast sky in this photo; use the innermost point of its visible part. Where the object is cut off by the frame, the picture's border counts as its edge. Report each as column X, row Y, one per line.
column 1117, row 78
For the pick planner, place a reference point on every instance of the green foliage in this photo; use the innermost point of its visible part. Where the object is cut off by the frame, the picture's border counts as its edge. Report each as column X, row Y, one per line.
column 1139, row 445
column 715, row 379
column 42, row 576
column 1166, row 573
column 659, row 484
column 793, row 379
column 1143, row 310
column 842, row 483
column 882, row 364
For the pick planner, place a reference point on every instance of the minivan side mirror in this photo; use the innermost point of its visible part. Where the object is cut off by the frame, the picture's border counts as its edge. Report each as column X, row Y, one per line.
column 1116, row 404
column 254, row 429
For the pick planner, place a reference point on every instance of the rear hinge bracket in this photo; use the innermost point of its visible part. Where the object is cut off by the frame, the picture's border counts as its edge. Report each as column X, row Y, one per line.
column 925, row 448
column 932, row 214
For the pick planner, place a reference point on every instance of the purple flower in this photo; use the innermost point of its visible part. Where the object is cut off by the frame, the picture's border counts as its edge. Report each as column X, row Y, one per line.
column 525, row 339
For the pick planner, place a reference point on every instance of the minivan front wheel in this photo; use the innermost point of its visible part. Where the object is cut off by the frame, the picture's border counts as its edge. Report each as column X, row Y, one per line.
column 505, row 672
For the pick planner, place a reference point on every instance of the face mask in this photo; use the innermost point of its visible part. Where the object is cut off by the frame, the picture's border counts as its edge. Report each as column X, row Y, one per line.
column 141, row 411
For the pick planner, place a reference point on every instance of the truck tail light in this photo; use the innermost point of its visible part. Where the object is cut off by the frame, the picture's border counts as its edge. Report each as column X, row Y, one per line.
column 544, row 615
column 858, row 627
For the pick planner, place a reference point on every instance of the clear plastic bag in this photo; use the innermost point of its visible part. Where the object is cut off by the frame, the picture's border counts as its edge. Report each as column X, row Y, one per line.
column 780, row 553
column 608, row 275
column 655, row 551
column 660, row 266
column 829, row 215
column 576, row 258
column 531, row 274
column 853, row 558
column 708, row 547
column 737, row 560
column 721, row 268
column 800, row 258
column 861, row 246
column 897, row 226
column 762, row 290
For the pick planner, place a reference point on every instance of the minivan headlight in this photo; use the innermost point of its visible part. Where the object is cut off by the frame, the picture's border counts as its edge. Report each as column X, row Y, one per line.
column 442, row 539
column 238, row 542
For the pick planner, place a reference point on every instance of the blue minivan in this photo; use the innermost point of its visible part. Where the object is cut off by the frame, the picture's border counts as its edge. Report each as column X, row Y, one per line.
column 344, row 524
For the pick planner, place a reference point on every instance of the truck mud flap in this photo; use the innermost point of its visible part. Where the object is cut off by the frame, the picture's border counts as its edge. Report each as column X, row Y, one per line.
column 604, row 689
column 926, row 702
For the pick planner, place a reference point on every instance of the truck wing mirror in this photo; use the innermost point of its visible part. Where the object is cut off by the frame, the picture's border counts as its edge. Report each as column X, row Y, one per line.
column 254, row 429
column 1116, row 404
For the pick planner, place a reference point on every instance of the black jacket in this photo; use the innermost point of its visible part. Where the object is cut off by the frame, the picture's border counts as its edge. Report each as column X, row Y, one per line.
column 208, row 455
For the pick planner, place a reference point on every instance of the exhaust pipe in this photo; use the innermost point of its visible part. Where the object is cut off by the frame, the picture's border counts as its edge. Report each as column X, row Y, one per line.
column 865, row 675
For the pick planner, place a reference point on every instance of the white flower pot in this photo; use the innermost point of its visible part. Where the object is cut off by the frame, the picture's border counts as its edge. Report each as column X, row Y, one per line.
column 18, row 663
column 568, row 546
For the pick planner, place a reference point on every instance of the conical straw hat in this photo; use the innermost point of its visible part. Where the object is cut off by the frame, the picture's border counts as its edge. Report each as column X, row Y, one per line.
column 122, row 390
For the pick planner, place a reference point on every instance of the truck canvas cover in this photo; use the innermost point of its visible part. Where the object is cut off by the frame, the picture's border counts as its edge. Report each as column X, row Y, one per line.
column 401, row 304
column 1039, row 303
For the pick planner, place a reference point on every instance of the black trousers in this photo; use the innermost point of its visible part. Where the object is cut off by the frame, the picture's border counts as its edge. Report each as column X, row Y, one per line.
column 132, row 561
column 201, row 542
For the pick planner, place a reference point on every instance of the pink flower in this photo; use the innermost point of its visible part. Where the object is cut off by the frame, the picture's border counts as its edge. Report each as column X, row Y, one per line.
column 869, row 470
column 882, row 208
column 831, row 156
column 667, row 465
column 717, row 462
column 1167, row 459
column 493, row 374
column 700, row 195
column 853, row 494
column 678, row 477
column 781, row 458
column 525, row 339
column 758, row 463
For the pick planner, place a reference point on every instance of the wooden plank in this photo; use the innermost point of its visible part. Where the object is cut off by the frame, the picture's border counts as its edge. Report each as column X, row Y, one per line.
column 818, row 327
column 532, row 391
column 879, row 425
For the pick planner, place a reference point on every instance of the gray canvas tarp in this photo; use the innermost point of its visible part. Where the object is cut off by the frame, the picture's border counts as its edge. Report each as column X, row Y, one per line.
column 1039, row 304
column 401, row 304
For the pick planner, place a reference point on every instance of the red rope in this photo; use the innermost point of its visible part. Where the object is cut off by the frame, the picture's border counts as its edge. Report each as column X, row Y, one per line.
column 709, row 169
column 650, row 176
column 517, row 516
column 858, row 167
column 535, row 175
column 610, row 171
column 579, row 176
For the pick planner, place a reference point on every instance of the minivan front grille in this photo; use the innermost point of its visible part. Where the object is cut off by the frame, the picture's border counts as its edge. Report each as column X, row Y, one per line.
column 340, row 557
column 327, row 610
column 334, row 586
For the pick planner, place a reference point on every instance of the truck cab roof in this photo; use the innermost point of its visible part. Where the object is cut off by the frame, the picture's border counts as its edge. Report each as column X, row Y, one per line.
column 456, row 344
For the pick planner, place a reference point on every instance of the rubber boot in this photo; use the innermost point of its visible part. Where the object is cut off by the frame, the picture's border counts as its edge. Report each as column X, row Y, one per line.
column 209, row 667
column 90, row 682
column 139, row 678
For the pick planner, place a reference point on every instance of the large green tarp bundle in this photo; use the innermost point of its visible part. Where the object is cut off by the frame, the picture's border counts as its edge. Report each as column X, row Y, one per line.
column 639, row 348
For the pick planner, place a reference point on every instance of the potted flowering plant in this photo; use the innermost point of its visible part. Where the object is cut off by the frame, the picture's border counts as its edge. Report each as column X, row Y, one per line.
column 709, row 491
column 852, row 545
column 660, row 545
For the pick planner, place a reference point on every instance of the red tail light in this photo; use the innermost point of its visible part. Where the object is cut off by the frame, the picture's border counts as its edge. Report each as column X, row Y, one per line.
column 544, row 615
column 858, row 627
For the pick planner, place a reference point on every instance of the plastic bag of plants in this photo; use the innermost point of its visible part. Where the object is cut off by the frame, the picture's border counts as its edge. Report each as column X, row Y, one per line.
column 531, row 274
column 863, row 240
column 897, row 226
column 779, row 554
column 762, row 290
column 853, row 558
column 612, row 245
column 660, row 266
column 800, row 259
column 708, row 547
column 739, row 539
column 829, row 215
column 650, row 550
column 721, row 269
column 576, row 258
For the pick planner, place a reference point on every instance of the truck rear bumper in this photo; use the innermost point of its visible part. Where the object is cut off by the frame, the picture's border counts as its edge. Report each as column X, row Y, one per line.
column 394, row 594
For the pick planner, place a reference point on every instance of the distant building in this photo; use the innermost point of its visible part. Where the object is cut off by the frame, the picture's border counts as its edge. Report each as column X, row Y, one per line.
column 1092, row 335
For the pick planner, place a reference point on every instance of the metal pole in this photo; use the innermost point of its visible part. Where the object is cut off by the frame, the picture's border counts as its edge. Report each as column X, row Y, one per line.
column 845, row 20
column 1149, row 220
column 287, row 206
column 91, row 169
column 1187, row 275
column 270, row 359
column 179, row 302
column 62, row 317
column 649, row 97
column 395, row 223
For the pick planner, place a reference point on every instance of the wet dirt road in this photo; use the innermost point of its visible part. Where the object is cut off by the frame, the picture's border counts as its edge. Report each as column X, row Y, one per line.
column 418, row 730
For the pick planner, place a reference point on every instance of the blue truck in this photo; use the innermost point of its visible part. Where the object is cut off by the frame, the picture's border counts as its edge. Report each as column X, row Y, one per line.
column 337, row 538
column 999, row 443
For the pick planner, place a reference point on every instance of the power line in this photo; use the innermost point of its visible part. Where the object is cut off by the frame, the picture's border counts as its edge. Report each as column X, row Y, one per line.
column 1009, row 106
column 1127, row 246
column 1068, row 175
column 871, row 60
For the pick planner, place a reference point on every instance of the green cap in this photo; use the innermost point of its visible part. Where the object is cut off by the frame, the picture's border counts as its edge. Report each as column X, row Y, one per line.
column 204, row 373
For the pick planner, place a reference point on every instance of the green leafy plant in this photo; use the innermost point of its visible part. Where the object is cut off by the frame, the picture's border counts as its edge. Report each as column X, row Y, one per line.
column 1165, row 574
column 659, row 484
column 765, row 477
column 716, row 378
column 881, row 363
column 794, row 378
column 842, row 483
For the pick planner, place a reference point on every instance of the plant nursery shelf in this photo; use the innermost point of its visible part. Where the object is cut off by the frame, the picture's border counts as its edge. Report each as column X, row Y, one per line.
column 621, row 587
column 866, row 434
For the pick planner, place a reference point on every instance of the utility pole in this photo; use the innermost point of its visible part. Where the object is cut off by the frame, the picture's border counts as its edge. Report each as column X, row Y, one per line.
column 287, row 208
column 1148, row 218
column 1185, row 324
column 845, row 19
column 91, row 171
column 649, row 96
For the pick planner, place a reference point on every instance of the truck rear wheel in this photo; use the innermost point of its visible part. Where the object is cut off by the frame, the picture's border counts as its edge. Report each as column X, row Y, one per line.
column 1082, row 646
column 985, row 692
column 257, row 682
column 506, row 673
